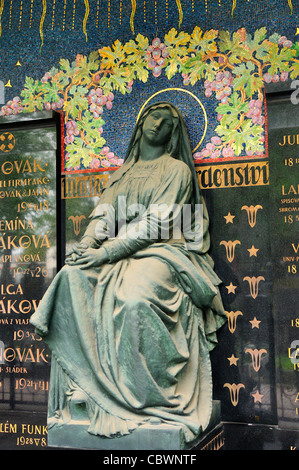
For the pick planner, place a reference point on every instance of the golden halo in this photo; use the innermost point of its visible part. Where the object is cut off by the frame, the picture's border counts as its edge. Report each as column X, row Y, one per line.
column 193, row 96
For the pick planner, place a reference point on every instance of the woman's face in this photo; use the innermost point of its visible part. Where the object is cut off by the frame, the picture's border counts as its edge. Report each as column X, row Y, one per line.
column 157, row 126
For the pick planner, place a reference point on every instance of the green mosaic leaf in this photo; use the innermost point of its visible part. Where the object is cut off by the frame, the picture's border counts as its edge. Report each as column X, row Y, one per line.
column 112, row 56
column 294, row 72
column 176, row 42
column 237, row 52
column 203, row 42
column 279, row 58
column 136, row 48
column 66, row 67
column 135, row 51
column 247, row 79
column 172, row 68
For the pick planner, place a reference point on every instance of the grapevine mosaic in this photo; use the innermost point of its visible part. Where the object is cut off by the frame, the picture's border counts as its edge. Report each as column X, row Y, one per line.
column 232, row 68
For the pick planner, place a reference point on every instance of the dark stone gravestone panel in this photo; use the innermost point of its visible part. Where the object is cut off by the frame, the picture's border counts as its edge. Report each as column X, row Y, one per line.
column 237, row 196
column 284, row 217
column 29, row 259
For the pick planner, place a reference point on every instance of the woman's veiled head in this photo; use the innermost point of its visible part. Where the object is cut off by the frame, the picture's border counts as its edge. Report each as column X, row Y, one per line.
column 157, row 126
column 159, row 123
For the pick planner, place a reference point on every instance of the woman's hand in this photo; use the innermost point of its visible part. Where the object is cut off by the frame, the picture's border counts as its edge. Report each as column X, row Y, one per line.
column 75, row 252
column 90, row 258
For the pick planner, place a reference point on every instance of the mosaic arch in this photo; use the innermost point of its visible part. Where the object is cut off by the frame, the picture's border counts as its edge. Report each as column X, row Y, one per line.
column 229, row 68
column 233, row 68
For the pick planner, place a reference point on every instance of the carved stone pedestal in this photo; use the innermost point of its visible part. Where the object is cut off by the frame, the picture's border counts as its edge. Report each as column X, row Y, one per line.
column 152, row 436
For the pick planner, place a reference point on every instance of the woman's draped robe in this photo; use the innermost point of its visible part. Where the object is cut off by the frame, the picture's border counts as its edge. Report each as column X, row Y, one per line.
column 135, row 333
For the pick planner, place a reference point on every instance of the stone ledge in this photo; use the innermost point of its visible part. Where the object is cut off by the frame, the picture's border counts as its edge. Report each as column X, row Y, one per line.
column 147, row 437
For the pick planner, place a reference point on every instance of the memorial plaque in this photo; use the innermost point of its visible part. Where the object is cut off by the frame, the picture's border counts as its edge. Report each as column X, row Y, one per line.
column 29, row 259
column 284, row 193
column 237, row 196
column 254, row 211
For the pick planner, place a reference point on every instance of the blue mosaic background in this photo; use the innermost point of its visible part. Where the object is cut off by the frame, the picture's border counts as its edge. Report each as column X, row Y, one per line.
column 21, row 42
column 36, row 34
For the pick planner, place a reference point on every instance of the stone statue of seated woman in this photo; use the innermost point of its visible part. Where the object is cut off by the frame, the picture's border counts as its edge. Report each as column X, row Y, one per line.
column 132, row 316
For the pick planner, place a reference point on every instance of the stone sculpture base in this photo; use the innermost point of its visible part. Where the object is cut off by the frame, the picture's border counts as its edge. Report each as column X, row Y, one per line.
column 152, row 436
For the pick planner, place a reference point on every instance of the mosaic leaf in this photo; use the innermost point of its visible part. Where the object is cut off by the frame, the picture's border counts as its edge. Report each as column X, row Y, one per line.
column 176, row 42
column 234, row 67
column 237, row 52
column 246, row 79
column 112, row 56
